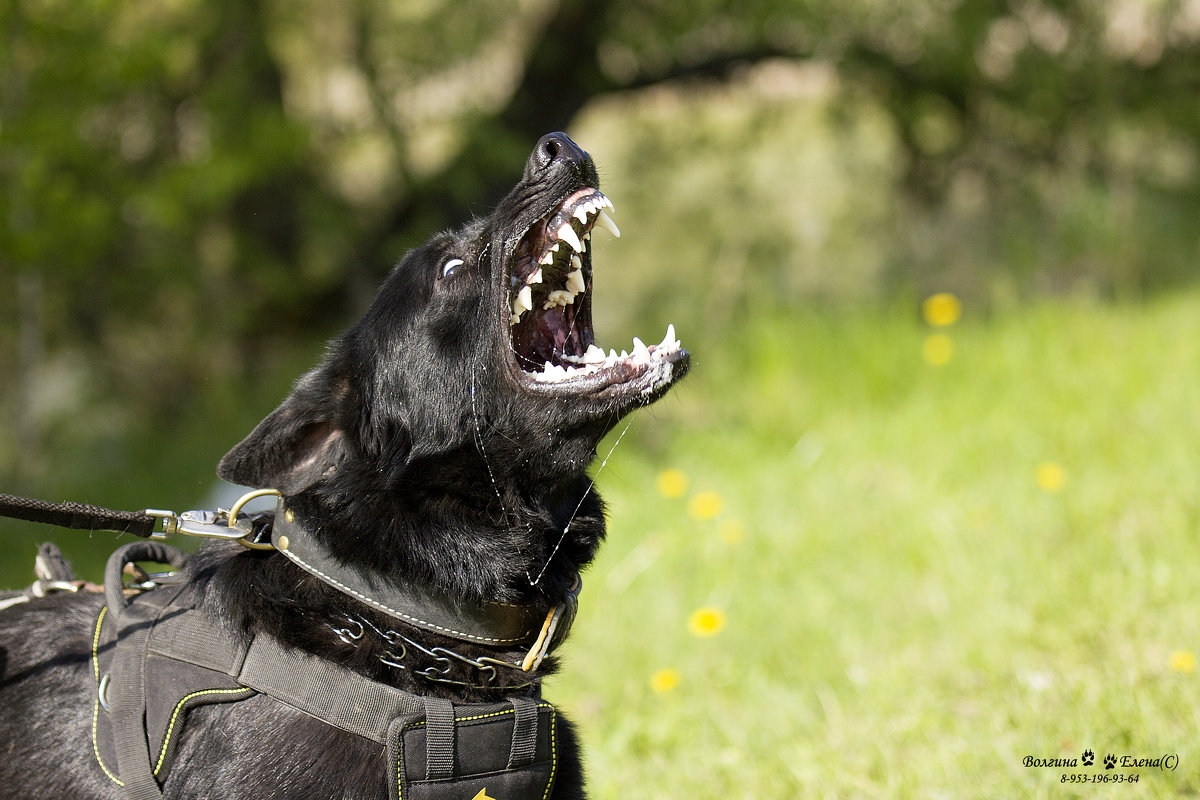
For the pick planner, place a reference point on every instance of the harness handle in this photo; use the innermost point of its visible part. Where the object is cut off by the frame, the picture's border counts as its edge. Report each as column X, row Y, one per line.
column 114, row 584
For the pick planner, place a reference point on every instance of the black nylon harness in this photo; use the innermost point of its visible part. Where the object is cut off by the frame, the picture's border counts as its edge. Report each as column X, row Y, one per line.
column 158, row 654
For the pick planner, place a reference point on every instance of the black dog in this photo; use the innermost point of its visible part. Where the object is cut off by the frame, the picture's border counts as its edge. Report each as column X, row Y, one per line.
column 432, row 472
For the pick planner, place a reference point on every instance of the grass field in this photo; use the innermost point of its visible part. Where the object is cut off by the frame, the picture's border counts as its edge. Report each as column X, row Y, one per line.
column 836, row 569
column 877, row 577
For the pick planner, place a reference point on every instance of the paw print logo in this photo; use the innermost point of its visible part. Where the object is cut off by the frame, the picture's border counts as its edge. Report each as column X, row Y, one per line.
column 1110, row 761
column 1088, row 758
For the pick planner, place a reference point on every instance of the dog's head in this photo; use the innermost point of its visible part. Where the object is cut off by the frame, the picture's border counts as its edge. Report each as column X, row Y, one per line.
column 475, row 372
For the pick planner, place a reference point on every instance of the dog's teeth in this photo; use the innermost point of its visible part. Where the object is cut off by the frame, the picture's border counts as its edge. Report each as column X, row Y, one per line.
column 514, row 319
column 558, row 297
column 581, row 213
column 536, row 277
column 524, row 301
column 575, row 283
column 640, row 351
column 603, row 220
column 567, row 234
column 612, row 355
column 604, row 201
column 593, row 355
column 552, row 372
column 669, row 339
column 576, row 262
column 624, row 354
column 548, row 258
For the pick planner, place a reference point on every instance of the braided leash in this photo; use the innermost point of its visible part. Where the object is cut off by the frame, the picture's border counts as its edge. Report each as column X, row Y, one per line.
column 77, row 516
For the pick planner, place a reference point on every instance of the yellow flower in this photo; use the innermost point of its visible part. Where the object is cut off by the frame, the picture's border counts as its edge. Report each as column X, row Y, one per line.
column 706, row 621
column 732, row 531
column 938, row 349
column 1051, row 476
column 941, row 309
column 705, row 505
column 671, row 483
column 664, row 680
column 1182, row 661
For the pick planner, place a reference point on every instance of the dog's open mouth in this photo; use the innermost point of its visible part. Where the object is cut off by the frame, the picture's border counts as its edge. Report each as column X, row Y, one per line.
column 550, row 308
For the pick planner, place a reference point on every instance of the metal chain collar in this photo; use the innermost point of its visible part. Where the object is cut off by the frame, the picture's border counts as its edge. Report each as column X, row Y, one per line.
column 397, row 647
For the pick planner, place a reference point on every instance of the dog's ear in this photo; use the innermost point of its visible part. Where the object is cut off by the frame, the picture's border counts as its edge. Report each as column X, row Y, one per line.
column 295, row 445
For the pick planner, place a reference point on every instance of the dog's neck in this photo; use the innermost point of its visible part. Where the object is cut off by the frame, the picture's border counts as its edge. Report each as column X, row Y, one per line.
column 470, row 566
column 479, row 544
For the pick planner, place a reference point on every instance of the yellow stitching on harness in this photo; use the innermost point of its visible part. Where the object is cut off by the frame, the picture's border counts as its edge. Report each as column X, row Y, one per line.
column 162, row 753
column 553, row 753
column 553, row 750
column 96, row 705
column 96, row 644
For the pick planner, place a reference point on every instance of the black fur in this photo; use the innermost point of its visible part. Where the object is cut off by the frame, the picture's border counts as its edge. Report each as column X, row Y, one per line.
column 422, row 447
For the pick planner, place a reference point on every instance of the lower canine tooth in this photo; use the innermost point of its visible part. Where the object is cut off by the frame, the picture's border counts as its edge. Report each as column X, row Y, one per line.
column 524, row 301
column 575, row 283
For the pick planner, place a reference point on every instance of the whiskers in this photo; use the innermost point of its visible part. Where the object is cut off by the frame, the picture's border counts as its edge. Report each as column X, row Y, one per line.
column 508, row 518
column 566, row 528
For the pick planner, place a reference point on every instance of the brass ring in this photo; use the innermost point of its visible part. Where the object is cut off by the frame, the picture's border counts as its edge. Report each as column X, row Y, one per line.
column 246, row 498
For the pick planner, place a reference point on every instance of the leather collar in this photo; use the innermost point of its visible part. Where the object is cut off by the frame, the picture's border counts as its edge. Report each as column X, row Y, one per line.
column 494, row 624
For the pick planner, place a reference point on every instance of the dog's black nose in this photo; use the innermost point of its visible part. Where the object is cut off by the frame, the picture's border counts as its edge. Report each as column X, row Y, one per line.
column 554, row 147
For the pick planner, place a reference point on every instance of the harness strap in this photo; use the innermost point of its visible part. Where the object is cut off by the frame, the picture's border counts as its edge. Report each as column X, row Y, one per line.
column 439, row 738
column 525, row 734
column 324, row 690
column 129, row 672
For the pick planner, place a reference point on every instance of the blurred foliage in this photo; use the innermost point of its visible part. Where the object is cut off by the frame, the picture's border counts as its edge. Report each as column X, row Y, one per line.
column 191, row 192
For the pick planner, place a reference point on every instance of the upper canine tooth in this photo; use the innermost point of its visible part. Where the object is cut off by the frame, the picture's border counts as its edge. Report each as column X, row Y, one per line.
column 567, row 234
column 603, row 220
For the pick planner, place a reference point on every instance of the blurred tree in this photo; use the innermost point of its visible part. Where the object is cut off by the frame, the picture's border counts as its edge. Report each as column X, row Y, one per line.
column 160, row 162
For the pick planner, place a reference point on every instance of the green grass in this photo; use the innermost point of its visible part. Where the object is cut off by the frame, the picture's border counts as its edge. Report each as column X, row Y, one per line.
column 908, row 613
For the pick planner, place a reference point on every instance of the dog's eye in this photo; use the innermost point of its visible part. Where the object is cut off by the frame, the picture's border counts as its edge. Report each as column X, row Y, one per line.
column 451, row 266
